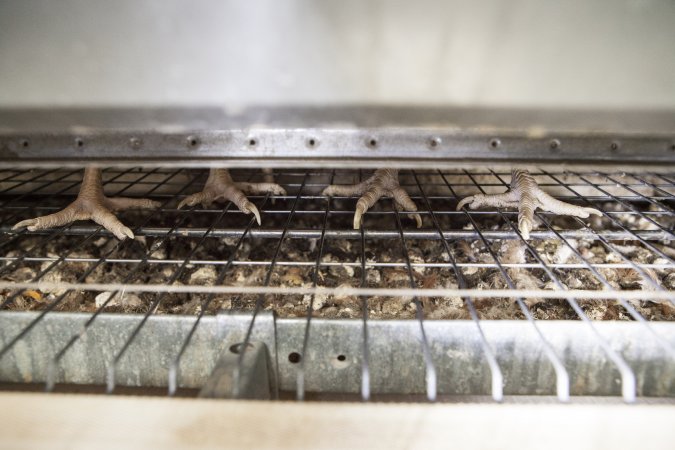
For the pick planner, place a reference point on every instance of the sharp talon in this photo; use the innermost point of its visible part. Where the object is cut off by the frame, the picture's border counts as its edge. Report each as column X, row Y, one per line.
column 126, row 232
column 358, row 214
column 190, row 201
column 593, row 211
column 526, row 195
column 91, row 204
column 384, row 182
column 525, row 227
column 328, row 192
column 463, row 202
column 24, row 223
column 251, row 208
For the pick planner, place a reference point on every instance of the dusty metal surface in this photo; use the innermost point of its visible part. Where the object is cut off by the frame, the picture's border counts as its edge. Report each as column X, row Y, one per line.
column 612, row 53
column 333, row 360
column 339, row 136
column 251, row 380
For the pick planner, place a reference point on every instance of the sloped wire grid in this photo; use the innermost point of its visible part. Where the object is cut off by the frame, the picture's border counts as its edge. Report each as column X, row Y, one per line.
column 306, row 261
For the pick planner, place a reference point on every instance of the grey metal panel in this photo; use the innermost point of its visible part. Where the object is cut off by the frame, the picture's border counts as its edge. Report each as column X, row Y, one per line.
column 314, row 137
column 396, row 364
column 531, row 52
column 530, row 121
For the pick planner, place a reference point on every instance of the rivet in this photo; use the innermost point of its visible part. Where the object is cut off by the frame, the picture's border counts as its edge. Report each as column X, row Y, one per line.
column 435, row 142
column 135, row 143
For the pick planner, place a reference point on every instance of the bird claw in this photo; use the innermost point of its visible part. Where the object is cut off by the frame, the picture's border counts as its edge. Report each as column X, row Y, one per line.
column 221, row 186
column 383, row 182
column 590, row 211
column 251, row 208
column 85, row 211
column 329, row 191
column 418, row 219
column 358, row 213
column 473, row 201
column 525, row 225
column 526, row 195
column 121, row 232
column 192, row 200
column 465, row 201
column 29, row 224
column 91, row 203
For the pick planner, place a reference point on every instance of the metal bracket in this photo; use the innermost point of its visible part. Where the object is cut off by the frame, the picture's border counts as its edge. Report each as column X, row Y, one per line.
column 260, row 355
column 254, row 374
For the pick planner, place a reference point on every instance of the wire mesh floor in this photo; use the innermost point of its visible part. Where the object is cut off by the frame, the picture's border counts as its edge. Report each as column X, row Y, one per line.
column 307, row 261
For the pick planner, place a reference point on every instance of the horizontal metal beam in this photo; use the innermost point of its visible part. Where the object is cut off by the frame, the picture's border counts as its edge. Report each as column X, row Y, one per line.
column 309, row 147
column 314, row 137
column 334, row 352
column 650, row 235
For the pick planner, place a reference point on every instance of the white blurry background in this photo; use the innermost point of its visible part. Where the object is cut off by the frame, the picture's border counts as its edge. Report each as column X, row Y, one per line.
column 574, row 53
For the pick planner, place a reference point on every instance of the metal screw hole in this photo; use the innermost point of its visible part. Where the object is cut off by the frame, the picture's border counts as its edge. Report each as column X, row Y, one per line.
column 341, row 357
column 294, row 357
column 435, row 142
column 494, row 143
column 372, row 142
column 614, row 146
column 25, row 143
column 311, row 142
column 193, row 141
column 252, row 142
column 79, row 142
column 135, row 143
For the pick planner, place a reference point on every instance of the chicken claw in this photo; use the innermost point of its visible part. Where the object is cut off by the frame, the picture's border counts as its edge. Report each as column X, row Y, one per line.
column 527, row 196
column 383, row 182
column 91, row 203
column 220, row 185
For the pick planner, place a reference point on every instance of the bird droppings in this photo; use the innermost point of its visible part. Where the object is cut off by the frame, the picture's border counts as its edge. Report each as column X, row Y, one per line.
column 204, row 276
column 122, row 300
column 348, row 306
column 103, row 259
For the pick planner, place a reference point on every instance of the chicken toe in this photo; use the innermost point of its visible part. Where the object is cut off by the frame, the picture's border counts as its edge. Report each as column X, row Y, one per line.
column 527, row 196
column 384, row 182
column 91, row 204
column 220, row 185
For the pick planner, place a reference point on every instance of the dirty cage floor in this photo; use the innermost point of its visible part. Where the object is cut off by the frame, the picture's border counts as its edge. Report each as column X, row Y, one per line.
column 306, row 241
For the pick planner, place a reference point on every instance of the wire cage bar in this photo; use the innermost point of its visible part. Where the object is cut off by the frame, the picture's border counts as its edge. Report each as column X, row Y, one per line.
column 324, row 280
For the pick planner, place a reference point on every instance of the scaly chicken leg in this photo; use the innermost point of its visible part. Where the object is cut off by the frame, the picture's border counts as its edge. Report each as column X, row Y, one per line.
column 526, row 195
column 383, row 182
column 220, row 185
column 91, row 203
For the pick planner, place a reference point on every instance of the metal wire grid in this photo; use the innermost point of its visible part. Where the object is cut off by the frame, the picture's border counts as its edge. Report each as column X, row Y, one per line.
column 645, row 199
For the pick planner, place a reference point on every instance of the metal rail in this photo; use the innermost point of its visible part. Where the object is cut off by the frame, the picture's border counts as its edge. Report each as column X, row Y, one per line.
column 339, row 136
